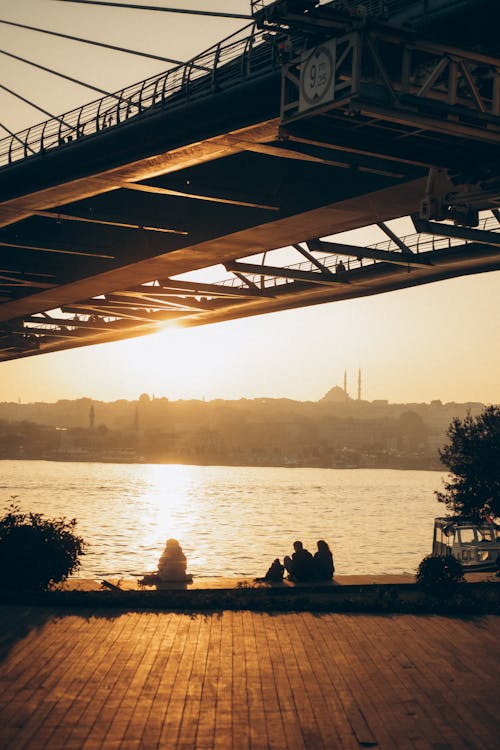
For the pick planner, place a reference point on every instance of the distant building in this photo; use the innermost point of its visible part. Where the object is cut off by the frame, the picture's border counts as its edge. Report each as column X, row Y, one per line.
column 335, row 395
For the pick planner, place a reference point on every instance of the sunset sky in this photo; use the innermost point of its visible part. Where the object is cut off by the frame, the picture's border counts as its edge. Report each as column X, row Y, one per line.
column 436, row 341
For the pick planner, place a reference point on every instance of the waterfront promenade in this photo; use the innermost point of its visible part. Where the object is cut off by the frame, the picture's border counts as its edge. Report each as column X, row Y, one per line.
column 106, row 678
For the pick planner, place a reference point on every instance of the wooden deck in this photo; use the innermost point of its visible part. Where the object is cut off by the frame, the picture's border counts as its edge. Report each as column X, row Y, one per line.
column 85, row 680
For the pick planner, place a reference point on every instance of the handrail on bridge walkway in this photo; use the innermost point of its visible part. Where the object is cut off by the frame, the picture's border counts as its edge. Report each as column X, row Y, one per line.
column 418, row 243
column 202, row 75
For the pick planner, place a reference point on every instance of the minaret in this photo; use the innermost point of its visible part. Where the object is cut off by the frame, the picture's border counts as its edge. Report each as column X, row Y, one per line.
column 359, row 384
column 345, row 385
column 91, row 417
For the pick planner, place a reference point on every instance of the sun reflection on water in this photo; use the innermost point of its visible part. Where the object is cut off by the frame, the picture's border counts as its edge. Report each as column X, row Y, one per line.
column 167, row 508
column 232, row 521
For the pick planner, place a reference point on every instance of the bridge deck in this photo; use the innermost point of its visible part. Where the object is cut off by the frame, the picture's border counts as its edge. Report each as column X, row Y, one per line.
column 107, row 679
column 208, row 165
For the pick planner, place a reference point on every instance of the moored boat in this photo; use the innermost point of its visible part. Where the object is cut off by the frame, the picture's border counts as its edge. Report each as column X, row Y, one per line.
column 476, row 546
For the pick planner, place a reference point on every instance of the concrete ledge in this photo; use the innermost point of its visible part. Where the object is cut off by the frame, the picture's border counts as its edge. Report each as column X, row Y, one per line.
column 467, row 598
column 220, row 582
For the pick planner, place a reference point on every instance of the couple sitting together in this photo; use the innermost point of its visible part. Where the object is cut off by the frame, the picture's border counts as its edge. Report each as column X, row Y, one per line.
column 302, row 566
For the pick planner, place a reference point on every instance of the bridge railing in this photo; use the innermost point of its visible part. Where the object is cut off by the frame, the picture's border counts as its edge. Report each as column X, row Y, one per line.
column 381, row 8
column 241, row 55
column 389, row 8
column 417, row 242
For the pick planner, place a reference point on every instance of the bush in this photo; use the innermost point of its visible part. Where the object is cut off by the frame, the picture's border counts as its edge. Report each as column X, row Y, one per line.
column 35, row 552
column 439, row 571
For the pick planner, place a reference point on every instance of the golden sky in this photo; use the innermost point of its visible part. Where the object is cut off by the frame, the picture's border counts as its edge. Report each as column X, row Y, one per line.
column 435, row 341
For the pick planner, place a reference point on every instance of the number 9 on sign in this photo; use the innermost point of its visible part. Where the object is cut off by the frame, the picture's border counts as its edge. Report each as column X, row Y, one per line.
column 317, row 77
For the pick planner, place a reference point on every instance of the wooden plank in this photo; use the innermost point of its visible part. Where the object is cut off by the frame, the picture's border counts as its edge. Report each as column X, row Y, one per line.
column 426, row 682
column 322, row 638
column 292, row 730
column 386, row 659
column 349, row 674
column 183, row 663
column 300, row 687
column 195, row 675
column 223, row 724
column 239, row 704
column 284, row 682
column 174, row 629
column 56, row 645
column 453, row 683
column 139, row 695
column 256, row 707
column 320, row 690
column 75, row 679
column 108, row 727
column 205, row 726
column 276, row 736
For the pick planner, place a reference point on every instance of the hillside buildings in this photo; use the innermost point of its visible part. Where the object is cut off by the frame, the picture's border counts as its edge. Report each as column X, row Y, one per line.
column 334, row 431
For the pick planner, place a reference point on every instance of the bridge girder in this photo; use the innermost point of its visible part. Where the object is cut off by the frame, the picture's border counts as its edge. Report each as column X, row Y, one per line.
column 94, row 231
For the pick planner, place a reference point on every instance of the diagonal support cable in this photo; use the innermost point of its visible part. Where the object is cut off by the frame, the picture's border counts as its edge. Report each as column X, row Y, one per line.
column 63, row 75
column 36, row 106
column 23, row 144
column 100, row 44
column 214, row 14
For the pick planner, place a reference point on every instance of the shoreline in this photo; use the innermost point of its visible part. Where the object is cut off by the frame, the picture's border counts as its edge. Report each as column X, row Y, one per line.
column 146, row 462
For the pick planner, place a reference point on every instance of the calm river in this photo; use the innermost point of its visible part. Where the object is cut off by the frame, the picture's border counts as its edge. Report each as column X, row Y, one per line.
column 232, row 521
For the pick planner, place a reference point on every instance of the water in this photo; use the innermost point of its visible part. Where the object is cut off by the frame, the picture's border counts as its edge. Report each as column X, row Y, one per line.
column 232, row 521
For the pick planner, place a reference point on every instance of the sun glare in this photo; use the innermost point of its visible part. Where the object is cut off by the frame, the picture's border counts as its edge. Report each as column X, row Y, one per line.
column 167, row 504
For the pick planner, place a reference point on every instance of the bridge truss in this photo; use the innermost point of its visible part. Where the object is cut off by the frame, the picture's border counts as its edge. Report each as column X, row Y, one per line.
column 331, row 270
column 107, row 211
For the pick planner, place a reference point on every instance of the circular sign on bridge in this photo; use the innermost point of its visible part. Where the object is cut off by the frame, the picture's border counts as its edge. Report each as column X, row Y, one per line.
column 317, row 77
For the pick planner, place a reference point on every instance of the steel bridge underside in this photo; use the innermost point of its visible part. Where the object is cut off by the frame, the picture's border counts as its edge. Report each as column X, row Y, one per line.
column 94, row 233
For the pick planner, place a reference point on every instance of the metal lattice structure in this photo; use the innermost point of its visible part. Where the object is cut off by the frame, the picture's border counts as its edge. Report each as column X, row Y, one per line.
column 380, row 74
column 107, row 210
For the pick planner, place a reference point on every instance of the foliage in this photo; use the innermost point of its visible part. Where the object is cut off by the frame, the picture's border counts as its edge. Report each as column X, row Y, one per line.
column 473, row 460
column 439, row 571
column 35, row 552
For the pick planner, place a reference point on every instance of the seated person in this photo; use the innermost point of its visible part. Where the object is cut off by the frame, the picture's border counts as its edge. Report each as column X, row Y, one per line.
column 300, row 565
column 172, row 564
column 324, row 567
column 275, row 572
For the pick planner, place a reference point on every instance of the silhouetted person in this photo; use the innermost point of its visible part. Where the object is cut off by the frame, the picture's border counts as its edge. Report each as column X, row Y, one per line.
column 340, row 268
column 172, row 564
column 300, row 565
column 275, row 572
column 324, row 567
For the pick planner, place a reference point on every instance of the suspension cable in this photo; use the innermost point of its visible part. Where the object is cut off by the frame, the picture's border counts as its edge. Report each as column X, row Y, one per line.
column 36, row 106
column 215, row 14
column 98, row 44
column 63, row 75
column 23, row 144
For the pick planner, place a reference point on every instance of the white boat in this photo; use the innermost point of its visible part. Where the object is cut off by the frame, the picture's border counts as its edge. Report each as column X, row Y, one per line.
column 476, row 546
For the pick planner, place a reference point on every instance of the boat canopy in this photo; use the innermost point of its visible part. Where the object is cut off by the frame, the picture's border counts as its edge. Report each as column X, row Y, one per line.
column 477, row 546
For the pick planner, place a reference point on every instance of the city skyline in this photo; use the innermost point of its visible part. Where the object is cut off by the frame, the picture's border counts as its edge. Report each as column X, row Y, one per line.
column 431, row 342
